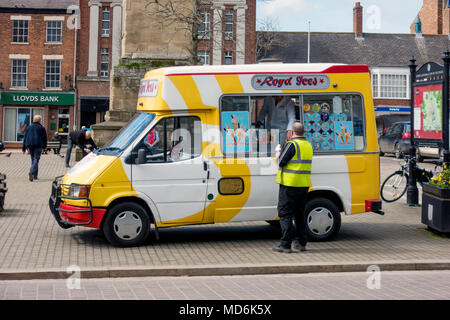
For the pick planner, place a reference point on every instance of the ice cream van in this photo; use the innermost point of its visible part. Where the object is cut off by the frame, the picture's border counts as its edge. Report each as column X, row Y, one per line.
column 200, row 151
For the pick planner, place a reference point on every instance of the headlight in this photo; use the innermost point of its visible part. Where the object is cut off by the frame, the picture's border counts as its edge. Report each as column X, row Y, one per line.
column 79, row 191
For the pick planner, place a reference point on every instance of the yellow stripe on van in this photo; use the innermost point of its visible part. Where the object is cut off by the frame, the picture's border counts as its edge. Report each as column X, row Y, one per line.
column 229, row 83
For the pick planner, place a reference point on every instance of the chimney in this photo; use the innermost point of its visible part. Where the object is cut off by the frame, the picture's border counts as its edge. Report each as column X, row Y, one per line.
column 358, row 20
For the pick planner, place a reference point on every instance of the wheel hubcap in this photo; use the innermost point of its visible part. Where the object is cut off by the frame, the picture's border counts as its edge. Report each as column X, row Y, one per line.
column 127, row 225
column 320, row 221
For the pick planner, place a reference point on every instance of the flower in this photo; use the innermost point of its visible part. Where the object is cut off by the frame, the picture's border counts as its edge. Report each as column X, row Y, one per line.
column 443, row 180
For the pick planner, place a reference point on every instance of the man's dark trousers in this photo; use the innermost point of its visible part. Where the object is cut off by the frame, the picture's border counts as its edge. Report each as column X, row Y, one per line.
column 291, row 205
column 69, row 150
column 35, row 154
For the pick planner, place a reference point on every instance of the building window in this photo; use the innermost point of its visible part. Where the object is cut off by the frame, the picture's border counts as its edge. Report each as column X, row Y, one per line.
column 20, row 31
column 16, row 121
column 54, row 31
column 203, row 57
column 228, row 57
column 104, row 62
column 53, row 74
column 229, row 18
column 19, row 73
column 106, row 21
column 390, row 85
column 204, row 26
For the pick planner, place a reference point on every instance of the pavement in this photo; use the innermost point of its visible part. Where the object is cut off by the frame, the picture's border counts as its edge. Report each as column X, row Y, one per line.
column 397, row 285
column 33, row 246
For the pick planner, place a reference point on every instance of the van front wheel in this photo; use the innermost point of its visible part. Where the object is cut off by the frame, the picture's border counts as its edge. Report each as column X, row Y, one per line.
column 127, row 225
column 323, row 219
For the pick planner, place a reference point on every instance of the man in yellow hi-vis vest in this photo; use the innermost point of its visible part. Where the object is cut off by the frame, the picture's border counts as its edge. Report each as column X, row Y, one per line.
column 294, row 161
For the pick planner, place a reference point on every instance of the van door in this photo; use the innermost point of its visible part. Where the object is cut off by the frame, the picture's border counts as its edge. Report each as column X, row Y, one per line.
column 170, row 170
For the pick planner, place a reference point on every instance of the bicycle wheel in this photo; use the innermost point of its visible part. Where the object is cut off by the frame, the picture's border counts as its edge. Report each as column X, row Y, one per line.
column 394, row 187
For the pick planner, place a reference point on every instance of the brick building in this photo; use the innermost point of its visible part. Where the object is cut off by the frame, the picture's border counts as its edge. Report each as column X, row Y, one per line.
column 434, row 16
column 99, row 49
column 228, row 32
column 387, row 56
column 37, row 61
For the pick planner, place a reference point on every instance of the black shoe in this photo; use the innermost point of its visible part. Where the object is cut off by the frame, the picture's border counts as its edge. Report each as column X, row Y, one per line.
column 281, row 248
column 30, row 176
column 299, row 247
column 67, row 166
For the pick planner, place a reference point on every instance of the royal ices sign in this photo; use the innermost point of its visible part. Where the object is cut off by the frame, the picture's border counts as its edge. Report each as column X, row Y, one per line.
column 291, row 82
column 148, row 88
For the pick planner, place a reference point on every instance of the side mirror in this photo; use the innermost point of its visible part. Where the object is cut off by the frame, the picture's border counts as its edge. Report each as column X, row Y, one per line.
column 141, row 158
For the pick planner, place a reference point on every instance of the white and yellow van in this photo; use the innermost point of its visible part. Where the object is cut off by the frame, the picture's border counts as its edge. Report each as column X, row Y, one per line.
column 200, row 150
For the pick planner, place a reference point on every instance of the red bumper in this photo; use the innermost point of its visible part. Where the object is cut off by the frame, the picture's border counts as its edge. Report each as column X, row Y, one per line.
column 82, row 217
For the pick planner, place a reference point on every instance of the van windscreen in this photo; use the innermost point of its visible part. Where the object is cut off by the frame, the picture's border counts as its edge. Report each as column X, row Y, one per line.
column 128, row 134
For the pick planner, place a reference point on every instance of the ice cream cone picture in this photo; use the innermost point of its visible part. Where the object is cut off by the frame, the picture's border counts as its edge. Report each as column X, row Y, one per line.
column 236, row 124
column 230, row 133
column 344, row 135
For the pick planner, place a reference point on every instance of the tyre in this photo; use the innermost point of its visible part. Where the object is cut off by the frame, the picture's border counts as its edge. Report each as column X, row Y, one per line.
column 394, row 187
column 126, row 225
column 323, row 219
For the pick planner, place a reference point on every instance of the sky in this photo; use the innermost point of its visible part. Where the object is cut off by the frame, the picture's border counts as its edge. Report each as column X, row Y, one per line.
column 380, row 16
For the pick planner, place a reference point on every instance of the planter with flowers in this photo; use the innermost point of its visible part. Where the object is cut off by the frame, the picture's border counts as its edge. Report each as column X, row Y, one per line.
column 436, row 202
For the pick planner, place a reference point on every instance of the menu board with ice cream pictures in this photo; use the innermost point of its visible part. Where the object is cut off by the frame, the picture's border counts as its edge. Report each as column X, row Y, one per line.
column 328, row 123
column 235, row 125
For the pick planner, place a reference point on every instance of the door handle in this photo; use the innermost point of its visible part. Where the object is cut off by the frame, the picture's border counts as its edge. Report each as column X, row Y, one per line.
column 205, row 166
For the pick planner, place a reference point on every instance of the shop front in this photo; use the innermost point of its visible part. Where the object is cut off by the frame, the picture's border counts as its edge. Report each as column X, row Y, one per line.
column 17, row 110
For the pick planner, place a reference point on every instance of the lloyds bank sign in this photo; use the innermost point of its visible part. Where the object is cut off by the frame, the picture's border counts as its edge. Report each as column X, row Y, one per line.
column 39, row 98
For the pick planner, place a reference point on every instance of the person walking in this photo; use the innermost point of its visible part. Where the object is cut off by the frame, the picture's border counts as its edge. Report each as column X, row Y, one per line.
column 80, row 138
column 35, row 140
column 295, row 162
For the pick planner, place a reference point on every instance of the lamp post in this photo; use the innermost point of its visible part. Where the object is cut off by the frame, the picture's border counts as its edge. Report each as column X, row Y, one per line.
column 412, row 193
column 445, row 107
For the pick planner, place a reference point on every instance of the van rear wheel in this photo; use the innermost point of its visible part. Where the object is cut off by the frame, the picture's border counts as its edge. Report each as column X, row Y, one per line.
column 127, row 225
column 323, row 219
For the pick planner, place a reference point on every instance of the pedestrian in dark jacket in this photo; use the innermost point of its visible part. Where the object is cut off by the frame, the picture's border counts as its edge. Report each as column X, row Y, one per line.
column 80, row 138
column 35, row 140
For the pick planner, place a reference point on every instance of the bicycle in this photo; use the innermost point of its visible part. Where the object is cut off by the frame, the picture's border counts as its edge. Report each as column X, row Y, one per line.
column 395, row 185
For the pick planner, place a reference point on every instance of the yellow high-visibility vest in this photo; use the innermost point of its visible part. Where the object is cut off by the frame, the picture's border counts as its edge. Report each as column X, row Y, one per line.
column 297, row 172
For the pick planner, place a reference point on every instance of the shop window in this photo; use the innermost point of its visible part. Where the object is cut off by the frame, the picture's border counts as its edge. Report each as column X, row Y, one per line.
column 54, row 31
column 19, row 73
column 53, row 74
column 17, row 120
column 20, row 31
column 171, row 140
column 334, row 123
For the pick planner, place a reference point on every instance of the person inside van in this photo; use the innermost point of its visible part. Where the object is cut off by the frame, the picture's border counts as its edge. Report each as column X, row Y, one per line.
column 151, row 141
column 280, row 113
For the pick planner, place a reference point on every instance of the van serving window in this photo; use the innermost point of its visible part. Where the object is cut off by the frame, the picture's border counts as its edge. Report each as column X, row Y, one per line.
column 255, row 125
